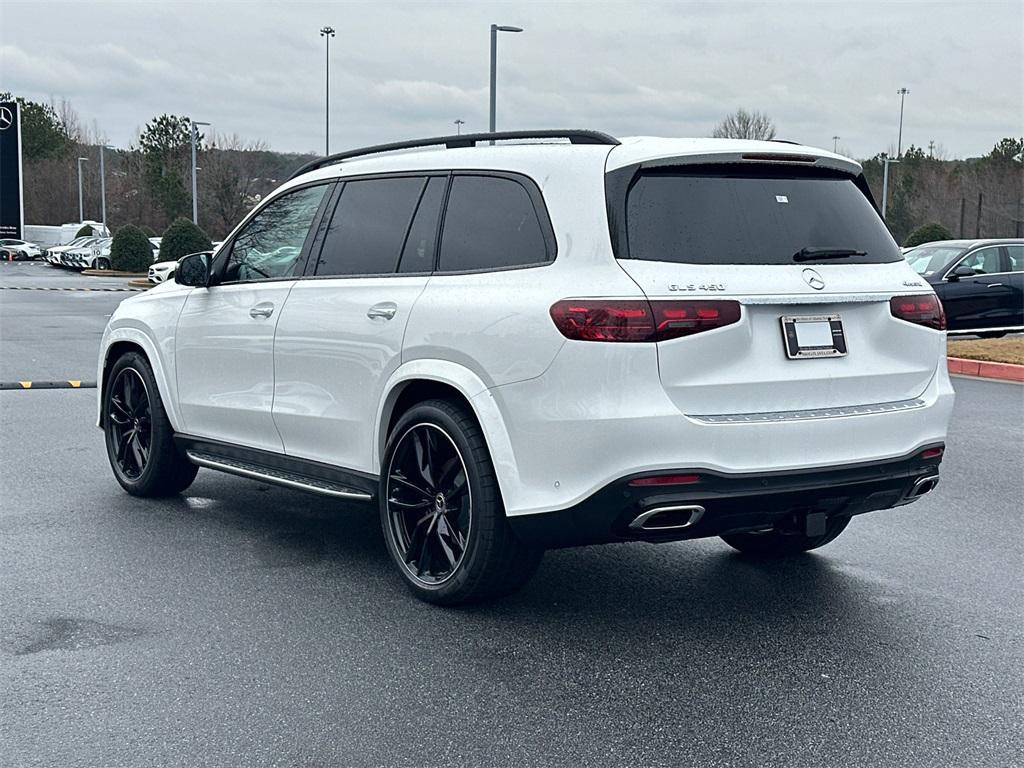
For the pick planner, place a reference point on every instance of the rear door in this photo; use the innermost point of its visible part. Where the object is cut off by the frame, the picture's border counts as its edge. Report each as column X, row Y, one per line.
column 1015, row 283
column 804, row 252
column 340, row 335
column 225, row 337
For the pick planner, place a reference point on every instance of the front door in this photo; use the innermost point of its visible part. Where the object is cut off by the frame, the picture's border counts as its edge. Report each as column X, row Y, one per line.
column 979, row 301
column 224, row 346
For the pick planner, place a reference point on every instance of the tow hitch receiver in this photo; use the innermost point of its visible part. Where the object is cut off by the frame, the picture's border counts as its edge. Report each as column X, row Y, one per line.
column 814, row 524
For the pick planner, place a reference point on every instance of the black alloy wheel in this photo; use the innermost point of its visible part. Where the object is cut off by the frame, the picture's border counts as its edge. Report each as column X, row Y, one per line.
column 131, row 422
column 139, row 436
column 442, row 512
column 429, row 503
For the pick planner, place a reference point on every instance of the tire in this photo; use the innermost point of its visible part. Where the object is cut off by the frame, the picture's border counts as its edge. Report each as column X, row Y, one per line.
column 992, row 335
column 442, row 513
column 139, row 438
column 102, row 263
column 779, row 543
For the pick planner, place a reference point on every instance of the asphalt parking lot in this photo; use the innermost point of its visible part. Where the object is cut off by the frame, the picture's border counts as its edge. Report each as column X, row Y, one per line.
column 244, row 625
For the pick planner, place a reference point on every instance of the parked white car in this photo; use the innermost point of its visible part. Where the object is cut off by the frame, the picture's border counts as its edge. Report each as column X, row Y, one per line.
column 18, row 250
column 529, row 345
column 53, row 255
column 162, row 270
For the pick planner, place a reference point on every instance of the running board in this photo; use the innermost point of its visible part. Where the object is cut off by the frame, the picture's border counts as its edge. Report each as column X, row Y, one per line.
column 276, row 476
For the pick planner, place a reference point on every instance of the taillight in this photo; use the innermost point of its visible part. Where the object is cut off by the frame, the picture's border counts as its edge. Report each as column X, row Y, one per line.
column 635, row 320
column 924, row 309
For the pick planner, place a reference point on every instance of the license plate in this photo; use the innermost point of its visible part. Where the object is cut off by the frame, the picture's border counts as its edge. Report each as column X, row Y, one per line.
column 813, row 336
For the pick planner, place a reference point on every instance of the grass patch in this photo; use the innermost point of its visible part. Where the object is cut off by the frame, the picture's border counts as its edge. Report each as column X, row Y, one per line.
column 1009, row 349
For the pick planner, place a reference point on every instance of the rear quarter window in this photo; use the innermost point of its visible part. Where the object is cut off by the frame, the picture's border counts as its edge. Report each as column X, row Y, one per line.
column 491, row 222
column 727, row 215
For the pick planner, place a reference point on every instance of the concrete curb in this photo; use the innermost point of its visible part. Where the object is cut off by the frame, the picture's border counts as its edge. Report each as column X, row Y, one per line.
column 110, row 273
column 986, row 370
column 142, row 282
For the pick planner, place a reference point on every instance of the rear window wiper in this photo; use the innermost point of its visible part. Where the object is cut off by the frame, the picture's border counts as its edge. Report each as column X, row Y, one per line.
column 815, row 254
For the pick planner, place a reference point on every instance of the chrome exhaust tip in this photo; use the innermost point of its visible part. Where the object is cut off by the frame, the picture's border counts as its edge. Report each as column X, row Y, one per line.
column 923, row 486
column 672, row 518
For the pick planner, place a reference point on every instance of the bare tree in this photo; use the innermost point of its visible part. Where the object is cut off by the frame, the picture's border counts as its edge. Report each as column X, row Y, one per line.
column 228, row 181
column 745, row 125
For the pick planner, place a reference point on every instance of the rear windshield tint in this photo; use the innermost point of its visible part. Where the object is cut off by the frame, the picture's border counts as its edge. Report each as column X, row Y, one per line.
column 748, row 216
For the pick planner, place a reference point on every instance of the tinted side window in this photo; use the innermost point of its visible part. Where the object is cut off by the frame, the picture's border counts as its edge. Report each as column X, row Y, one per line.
column 369, row 226
column 418, row 254
column 1016, row 255
column 271, row 243
column 490, row 223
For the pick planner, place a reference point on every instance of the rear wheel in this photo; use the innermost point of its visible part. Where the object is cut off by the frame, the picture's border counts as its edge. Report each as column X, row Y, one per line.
column 102, row 263
column 139, row 438
column 779, row 542
column 442, row 513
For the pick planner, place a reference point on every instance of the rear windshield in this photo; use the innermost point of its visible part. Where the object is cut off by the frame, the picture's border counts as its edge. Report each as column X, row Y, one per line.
column 751, row 216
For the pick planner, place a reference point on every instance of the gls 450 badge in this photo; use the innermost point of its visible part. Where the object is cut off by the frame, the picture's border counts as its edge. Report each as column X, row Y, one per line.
column 705, row 287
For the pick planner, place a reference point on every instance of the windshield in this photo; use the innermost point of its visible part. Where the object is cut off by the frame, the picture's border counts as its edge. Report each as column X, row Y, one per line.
column 735, row 215
column 929, row 259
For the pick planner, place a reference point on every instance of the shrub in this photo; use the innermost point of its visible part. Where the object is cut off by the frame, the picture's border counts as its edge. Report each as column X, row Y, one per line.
column 85, row 231
column 130, row 251
column 182, row 238
column 927, row 234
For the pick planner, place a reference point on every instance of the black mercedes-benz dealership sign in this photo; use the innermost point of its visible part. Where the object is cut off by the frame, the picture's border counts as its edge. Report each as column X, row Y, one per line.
column 12, row 211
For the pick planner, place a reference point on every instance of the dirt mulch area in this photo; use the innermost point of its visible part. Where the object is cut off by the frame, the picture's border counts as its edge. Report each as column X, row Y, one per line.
column 1009, row 349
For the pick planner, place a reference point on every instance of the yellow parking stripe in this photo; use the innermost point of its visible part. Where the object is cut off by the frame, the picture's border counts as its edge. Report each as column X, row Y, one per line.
column 76, row 383
column 25, row 384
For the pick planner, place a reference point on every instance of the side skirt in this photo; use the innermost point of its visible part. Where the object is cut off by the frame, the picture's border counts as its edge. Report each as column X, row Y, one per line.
column 276, row 468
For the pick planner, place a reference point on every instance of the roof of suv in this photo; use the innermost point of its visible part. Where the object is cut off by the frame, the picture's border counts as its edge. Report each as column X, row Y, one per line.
column 528, row 155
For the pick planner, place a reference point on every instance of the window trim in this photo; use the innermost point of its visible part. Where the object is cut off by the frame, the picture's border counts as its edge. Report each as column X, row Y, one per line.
column 539, row 207
column 224, row 252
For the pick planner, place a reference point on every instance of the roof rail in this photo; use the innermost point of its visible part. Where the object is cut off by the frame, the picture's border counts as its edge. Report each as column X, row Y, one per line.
column 459, row 141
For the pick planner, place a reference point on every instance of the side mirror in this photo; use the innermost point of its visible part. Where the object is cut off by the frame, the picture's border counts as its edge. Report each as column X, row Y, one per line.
column 961, row 271
column 194, row 270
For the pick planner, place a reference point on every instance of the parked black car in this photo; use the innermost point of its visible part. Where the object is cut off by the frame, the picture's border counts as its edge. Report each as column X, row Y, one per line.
column 980, row 283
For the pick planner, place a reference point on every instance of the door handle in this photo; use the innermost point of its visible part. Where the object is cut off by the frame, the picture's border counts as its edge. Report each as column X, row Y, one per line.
column 264, row 309
column 995, row 285
column 385, row 310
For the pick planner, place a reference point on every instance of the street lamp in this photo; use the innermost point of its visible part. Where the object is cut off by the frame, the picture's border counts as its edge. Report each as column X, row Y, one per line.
column 495, row 29
column 835, row 143
column 327, row 33
column 103, row 184
column 195, row 198
column 886, row 161
column 458, row 126
column 899, row 141
column 81, row 213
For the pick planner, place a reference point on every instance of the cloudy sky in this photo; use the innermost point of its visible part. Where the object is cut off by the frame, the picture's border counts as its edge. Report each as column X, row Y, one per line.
column 401, row 70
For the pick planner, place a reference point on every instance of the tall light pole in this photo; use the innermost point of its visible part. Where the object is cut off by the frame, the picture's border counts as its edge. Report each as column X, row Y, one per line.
column 835, row 143
column 103, row 184
column 81, row 209
column 495, row 29
column 458, row 127
column 195, row 197
column 899, row 141
column 327, row 33
column 886, row 161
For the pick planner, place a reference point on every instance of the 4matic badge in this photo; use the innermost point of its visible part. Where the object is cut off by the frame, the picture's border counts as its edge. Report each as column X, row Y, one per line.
column 703, row 287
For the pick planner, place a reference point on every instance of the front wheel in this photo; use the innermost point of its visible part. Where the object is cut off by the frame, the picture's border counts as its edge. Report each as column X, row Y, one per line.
column 102, row 263
column 139, row 437
column 783, row 543
column 441, row 510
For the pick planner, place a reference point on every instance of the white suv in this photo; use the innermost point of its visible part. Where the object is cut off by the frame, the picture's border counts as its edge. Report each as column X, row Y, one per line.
column 529, row 345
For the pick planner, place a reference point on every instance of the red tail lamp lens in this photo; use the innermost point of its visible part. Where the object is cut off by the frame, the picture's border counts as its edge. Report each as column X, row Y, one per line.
column 925, row 310
column 931, row 453
column 636, row 320
column 666, row 480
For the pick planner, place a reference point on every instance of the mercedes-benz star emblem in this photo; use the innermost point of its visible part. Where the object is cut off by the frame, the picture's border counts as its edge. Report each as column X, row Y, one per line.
column 813, row 279
column 6, row 118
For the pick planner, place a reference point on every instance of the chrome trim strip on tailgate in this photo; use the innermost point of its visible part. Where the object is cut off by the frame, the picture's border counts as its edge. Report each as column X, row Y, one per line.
column 812, row 413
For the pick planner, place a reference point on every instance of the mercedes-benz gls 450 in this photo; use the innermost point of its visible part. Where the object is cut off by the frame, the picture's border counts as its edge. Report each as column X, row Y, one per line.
column 558, row 339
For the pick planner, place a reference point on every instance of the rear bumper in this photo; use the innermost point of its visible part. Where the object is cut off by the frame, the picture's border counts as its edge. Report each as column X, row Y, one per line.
column 721, row 503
